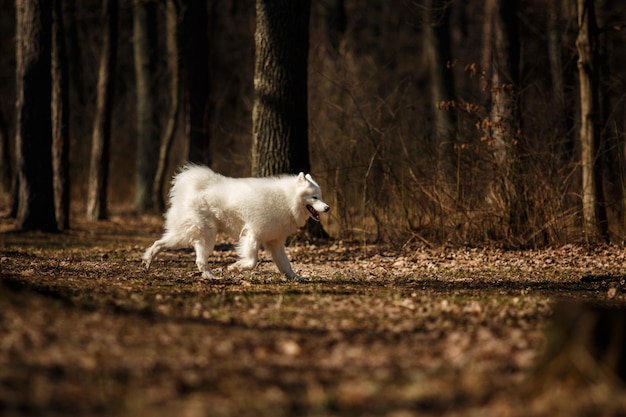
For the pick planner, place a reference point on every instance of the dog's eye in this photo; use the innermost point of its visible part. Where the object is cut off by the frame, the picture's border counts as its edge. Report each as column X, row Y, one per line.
column 314, row 197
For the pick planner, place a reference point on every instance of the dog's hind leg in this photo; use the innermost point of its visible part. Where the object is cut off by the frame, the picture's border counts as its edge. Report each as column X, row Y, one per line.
column 204, row 247
column 153, row 251
column 167, row 241
column 248, row 250
column 277, row 249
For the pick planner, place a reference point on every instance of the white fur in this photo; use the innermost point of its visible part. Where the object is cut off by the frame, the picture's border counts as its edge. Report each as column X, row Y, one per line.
column 258, row 211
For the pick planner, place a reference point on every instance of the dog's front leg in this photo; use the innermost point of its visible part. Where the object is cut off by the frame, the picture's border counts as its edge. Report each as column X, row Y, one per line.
column 203, row 249
column 248, row 250
column 277, row 249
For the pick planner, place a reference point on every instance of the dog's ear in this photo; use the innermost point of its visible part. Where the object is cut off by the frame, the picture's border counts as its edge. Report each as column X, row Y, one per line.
column 311, row 180
column 301, row 177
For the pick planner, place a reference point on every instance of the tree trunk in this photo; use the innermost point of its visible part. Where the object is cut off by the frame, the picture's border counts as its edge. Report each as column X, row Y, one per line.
column 280, row 114
column 505, row 82
column 101, row 137
column 561, row 12
column 60, row 119
column 73, row 42
column 504, row 128
column 145, row 53
column 34, row 126
column 594, row 213
column 172, row 14
column 198, row 73
column 554, row 47
column 6, row 162
column 438, row 50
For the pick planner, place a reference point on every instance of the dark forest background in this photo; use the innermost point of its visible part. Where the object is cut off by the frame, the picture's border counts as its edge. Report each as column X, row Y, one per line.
column 403, row 130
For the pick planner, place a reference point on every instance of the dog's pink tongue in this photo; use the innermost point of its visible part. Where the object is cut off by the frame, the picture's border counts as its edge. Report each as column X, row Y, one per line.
column 314, row 214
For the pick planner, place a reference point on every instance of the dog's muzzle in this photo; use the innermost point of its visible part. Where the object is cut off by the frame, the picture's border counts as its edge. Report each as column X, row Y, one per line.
column 315, row 215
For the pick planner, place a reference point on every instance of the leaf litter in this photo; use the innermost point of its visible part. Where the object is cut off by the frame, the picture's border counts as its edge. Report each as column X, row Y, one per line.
column 379, row 330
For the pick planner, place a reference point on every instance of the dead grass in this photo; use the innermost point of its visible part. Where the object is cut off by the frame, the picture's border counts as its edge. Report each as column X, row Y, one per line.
column 379, row 330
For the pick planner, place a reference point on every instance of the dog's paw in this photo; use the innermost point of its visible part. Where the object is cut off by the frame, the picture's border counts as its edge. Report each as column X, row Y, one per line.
column 241, row 265
column 298, row 278
column 145, row 264
column 209, row 275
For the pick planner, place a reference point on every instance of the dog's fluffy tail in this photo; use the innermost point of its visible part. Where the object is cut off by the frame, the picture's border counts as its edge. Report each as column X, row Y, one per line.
column 190, row 180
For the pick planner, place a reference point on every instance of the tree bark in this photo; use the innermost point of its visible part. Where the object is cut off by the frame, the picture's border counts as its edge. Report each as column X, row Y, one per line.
column 505, row 82
column 438, row 50
column 73, row 43
column 60, row 119
column 198, row 75
column 172, row 14
column 145, row 54
column 280, row 114
column 560, row 12
column 101, row 137
column 595, row 225
column 503, row 127
column 34, row 127
column 6, row 162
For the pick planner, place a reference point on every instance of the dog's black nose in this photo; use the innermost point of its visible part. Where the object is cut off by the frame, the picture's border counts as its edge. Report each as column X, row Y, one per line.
column 326, row 209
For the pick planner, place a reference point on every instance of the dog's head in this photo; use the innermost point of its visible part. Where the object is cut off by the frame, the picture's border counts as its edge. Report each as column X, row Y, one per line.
column 311, row 195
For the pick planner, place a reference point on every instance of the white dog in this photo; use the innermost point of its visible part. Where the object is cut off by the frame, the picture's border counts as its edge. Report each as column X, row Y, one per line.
column 258, row 211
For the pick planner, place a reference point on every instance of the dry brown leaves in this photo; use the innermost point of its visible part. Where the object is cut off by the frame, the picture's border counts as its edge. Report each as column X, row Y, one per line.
column 378, row 330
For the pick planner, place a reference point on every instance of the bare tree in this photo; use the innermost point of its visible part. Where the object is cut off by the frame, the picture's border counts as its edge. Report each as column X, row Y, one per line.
column 6, row 163
column 280, row 114
column 74, row 44
column 101, row 136
column 145, row 54
column 60, row 119
column 438, row 51
column 594, row 213
column 198, row 76
column 504, row 122
column 172, row 30
column 560, row 13
column 34, row 130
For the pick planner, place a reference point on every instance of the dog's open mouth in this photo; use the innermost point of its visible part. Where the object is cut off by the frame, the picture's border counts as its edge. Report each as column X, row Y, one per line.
column 314, row 214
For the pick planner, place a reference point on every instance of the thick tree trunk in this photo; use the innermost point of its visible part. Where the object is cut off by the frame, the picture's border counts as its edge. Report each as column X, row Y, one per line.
column 101, row 137
column 6, row 161
column 504, row 123
column 34, row 127
column 198, row 72
column 555, row 33
column 561, row 12
column 145, row 50
column 172, row 14
column 75, row 67
column 505, row 82
column 60, row 120
column 594, row 213
column 280, row 114
column 438, row 50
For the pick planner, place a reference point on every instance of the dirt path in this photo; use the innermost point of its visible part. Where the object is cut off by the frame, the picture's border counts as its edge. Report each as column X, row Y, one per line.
column 378, row 331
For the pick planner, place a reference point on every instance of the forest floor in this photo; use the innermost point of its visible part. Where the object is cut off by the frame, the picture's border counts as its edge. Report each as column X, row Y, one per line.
column 378, row 330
